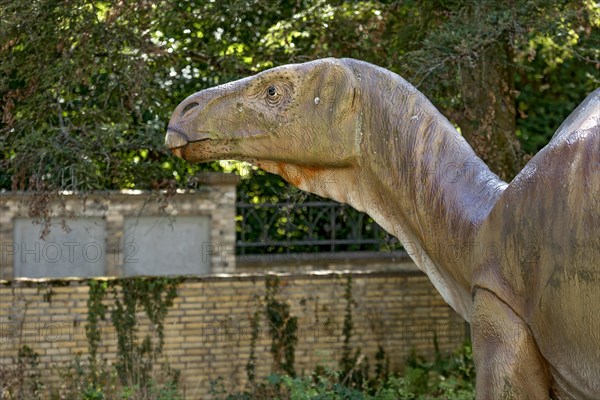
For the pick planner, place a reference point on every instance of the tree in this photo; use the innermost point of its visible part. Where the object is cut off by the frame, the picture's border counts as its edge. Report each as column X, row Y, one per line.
column 79, row 96
column 87, row 87
column 468, row 58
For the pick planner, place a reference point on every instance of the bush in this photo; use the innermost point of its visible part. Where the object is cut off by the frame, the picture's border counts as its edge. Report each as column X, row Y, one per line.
column 449, row 377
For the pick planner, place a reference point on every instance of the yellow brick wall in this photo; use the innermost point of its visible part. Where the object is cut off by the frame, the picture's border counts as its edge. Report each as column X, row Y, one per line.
column 207, row 332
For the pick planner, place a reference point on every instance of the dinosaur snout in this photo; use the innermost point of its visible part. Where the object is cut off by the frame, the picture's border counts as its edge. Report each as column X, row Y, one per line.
column 206, row 125
column 188, row 123
column 175, row 141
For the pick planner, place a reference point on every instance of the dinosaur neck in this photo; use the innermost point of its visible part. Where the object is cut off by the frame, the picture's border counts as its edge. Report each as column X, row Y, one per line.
column 418, row 179
column 423, row 183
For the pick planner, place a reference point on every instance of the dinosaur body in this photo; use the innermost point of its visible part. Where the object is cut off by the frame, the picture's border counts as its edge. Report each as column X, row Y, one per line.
column 519, row 261
column 542, row 252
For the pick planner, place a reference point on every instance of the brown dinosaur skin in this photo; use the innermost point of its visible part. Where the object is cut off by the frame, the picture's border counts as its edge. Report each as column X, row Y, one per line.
column 521, row 262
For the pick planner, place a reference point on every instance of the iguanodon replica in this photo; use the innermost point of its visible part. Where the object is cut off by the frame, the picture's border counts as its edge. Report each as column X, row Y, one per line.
column 519, row 261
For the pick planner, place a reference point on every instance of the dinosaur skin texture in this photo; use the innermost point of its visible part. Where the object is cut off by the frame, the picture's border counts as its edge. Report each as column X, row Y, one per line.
column 519, row 261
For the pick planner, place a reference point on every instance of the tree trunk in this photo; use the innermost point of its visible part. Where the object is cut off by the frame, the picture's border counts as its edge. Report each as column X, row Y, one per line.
column 488, row 121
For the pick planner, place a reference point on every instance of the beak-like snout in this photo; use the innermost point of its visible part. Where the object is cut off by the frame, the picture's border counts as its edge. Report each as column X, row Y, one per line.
column 183, row 126
column 195, row 130
column 175, row 141
column 177, row 133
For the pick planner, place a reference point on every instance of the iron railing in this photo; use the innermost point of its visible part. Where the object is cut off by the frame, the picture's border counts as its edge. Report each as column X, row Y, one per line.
column 307, row 227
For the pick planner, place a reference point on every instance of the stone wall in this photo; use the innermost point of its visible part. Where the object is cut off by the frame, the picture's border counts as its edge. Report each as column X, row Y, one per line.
column 207, row 331
column 394, row 261
column 120, row 233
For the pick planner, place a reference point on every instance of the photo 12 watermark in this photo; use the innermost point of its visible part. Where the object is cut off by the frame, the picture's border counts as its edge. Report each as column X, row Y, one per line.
column 38, row 252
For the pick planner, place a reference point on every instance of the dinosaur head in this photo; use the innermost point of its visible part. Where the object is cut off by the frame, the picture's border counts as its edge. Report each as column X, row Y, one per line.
column 300, row 115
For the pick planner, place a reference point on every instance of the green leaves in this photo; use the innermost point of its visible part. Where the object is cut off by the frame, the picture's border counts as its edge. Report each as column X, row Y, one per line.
column 87, row 86
column 79, row 82
column 444, row 379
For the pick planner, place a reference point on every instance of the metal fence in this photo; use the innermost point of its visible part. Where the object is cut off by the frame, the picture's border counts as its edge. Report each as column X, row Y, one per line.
column 307, row 227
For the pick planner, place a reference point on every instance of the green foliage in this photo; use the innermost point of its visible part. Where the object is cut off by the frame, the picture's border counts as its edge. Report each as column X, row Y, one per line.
column 352, row 368
column 382, row 363
column 446, row 377
column 445, row 49
column 254, row 333
column 283, row 331
column 88, row 381
column 135, row 367
column 74, row 83
column 22, row 380
column 77, row 384
column 551, row 86
column 283, row 328
column 88, row 87
column 450, row 377
column 96, row 312
column 155, row 296
column 167, row 391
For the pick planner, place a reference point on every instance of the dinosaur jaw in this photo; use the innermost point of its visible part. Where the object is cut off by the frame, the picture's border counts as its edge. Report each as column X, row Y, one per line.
column 176, row 141
column 197, row 149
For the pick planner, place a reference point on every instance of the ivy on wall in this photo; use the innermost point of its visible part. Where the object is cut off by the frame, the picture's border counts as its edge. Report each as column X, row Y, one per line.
column 283, row 327
column 136, row 357
column 96, row 312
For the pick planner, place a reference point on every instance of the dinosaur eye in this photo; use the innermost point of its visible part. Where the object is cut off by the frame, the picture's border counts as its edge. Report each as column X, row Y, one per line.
column 277, row 93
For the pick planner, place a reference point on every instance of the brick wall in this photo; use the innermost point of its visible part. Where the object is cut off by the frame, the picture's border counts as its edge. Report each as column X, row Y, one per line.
column 207, row 332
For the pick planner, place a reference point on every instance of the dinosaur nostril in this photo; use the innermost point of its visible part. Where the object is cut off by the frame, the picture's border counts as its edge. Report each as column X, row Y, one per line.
column 188, row 107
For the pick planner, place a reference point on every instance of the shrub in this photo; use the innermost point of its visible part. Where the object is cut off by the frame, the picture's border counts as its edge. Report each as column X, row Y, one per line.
column 449, row 377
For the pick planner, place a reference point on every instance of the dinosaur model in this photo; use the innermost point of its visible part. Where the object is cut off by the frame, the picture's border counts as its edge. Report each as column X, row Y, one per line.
column 519, row 261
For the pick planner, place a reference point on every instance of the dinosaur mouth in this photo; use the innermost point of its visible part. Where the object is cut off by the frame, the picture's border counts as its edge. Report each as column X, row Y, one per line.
column 177, row 140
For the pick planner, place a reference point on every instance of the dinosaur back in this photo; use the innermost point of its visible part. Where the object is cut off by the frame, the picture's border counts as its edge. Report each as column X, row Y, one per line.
column 539, row 250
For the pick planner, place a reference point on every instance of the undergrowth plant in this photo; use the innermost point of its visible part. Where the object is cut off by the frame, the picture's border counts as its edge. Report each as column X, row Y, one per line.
column 448, row 377
column 138, row 373
column 283, row 328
